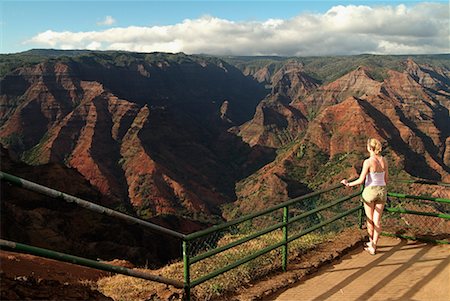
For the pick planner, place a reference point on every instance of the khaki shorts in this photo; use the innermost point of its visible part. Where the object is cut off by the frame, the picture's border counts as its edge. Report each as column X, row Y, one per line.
column 374, row 194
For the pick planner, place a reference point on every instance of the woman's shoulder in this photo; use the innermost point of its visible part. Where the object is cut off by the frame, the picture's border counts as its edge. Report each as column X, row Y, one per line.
column 368, row 160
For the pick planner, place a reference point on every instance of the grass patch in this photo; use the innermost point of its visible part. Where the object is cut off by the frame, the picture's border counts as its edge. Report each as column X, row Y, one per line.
column 121, row 287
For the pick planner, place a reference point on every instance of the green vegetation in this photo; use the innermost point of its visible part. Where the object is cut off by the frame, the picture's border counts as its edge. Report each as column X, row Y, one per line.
column 9, row 62
column 143, row 188
column 325, row 69
column 13, row 141
column 307, row 160
column 328, row 69
column 33, row 156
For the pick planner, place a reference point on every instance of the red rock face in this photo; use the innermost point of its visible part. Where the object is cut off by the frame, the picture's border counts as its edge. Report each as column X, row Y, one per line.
column 341, row 127
column 44, row 222
column 160, row 158
column 276, row 122
column 356, row 83
column 292, row 82
column 402, row 111
column 273, row 125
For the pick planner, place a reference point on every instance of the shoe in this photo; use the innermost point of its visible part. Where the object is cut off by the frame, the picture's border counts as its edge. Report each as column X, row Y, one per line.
column 370, row 250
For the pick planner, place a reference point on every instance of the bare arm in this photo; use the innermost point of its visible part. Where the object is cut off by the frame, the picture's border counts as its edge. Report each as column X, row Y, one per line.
column 362, row 176
column 386, row 170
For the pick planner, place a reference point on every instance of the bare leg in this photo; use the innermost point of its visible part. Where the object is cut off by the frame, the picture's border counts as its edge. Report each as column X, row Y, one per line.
column 377, row 223
column 369, row 209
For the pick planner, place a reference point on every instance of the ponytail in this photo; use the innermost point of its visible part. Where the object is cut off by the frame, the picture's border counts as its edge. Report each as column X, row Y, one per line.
column 374, row 145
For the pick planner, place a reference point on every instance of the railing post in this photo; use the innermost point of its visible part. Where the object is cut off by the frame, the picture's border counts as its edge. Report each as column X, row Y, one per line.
column 186, row 265
column 285, row 238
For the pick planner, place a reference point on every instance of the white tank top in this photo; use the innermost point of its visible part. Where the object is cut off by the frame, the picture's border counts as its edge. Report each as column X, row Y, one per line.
column 375, row 179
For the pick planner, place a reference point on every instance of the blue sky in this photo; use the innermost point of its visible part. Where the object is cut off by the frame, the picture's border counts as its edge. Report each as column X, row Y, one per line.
column 162, row 26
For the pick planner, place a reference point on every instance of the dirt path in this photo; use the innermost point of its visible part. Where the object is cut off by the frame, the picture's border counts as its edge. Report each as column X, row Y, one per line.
column 401, row 270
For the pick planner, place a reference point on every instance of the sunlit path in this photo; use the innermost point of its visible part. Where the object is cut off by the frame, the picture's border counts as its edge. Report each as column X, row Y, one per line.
column 401, row 270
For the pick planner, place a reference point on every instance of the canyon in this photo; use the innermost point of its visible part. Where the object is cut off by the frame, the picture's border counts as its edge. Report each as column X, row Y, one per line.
column 189, row 141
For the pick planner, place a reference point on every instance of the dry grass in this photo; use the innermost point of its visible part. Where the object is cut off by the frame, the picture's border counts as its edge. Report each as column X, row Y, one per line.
column 121, row 287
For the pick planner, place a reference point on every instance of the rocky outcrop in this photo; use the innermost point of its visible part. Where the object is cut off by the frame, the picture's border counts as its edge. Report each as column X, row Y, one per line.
column 342, row 127
column 292, row 82
column 144, row 130
column 274, row 124
column 357, row 83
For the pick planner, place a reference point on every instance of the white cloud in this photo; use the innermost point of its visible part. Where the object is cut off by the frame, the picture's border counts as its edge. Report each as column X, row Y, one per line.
column 94, row 46
column 107, row 21
column 423, row 28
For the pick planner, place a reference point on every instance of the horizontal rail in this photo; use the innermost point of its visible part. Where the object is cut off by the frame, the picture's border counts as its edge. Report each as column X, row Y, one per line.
column 422, row 181
column 401, row 210
column 85, row 204
column 324, row 223
column 236, row 243
column 9, row 245
column 201, row 233
column 236, row 264
column 269, row 248
column 418, row 197
column 321, row 208
column 270, row 229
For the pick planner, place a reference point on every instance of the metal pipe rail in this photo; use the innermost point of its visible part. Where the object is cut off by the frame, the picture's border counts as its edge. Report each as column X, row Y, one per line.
column 14, row 246
column 400, row 210
column 418, row 197
column 405, row 211
column 268, row 249
column 422, row 181
column 85, row 204
column 281, row 225
column 187, row 239
column 242, row 219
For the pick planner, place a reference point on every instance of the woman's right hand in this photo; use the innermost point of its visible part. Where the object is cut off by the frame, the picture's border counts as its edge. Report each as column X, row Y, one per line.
column 344, row 182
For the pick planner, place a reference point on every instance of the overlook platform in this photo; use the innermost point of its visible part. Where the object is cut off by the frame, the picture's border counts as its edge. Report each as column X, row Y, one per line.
column 401, row 270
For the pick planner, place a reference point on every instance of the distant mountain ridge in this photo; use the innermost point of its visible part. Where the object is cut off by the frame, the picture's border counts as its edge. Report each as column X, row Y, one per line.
column 200, row 136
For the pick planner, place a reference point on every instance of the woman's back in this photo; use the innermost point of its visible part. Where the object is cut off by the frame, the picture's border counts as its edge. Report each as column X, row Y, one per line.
column 376, row 164
column 376, row 175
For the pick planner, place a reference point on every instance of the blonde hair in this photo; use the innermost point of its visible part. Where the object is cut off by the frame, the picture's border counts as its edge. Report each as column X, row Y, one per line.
column 374, row 145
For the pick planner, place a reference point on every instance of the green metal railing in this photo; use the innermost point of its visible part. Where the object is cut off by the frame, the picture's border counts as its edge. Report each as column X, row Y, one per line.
column 418, row 217
column 225, row 247
column 5, row 244
column 286, row 221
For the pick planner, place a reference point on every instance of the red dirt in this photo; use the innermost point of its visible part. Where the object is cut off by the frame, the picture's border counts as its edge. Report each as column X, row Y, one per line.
column 27, row 277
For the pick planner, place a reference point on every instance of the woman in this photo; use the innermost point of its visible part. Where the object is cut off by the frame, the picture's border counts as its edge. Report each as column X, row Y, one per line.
column 375, row 175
